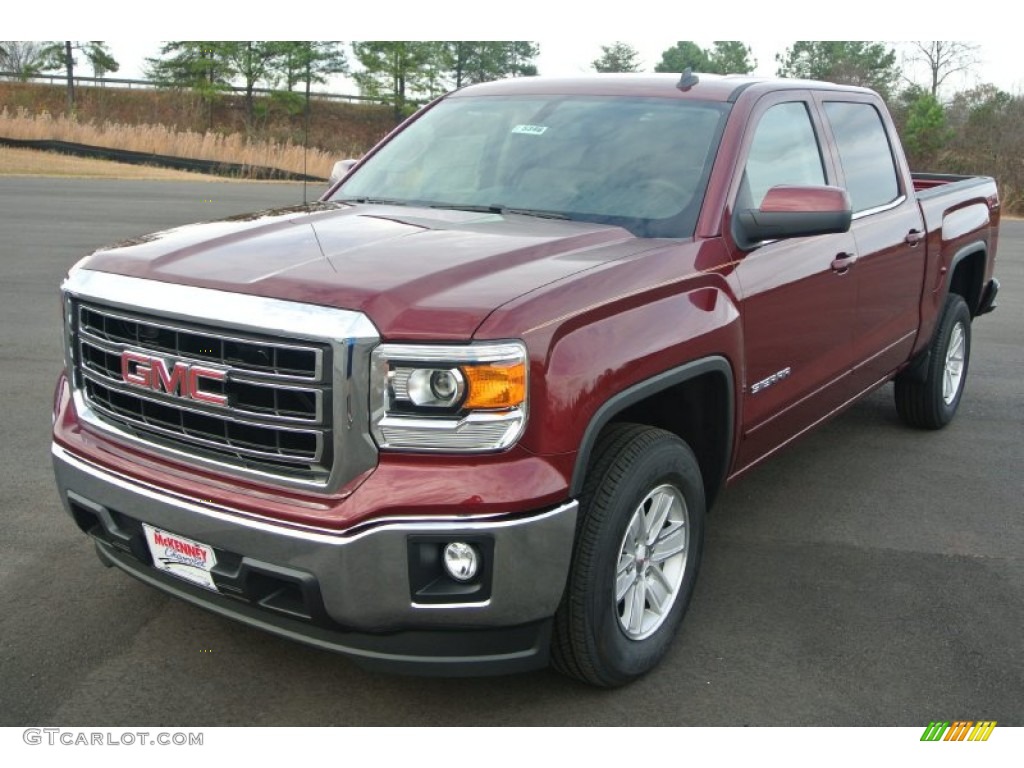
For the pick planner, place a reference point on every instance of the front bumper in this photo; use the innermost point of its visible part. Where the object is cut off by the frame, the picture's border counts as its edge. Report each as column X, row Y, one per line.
column 353, row 593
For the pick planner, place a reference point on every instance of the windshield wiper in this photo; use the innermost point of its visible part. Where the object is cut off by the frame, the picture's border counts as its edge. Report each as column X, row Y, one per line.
column 540, row 214
column 496, row 208
column 502, row 209
column 371, row 201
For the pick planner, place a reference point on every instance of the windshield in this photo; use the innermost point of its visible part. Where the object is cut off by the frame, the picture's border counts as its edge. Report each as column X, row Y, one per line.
column 639, row 163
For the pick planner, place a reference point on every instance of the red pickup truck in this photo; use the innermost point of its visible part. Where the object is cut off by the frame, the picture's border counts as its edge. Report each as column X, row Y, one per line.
column 466, row 414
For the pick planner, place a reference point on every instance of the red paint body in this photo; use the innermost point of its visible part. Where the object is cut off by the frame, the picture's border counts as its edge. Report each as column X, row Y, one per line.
column 599, row 309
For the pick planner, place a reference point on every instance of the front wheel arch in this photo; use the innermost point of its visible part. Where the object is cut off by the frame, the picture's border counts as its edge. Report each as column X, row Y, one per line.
column 711, row 441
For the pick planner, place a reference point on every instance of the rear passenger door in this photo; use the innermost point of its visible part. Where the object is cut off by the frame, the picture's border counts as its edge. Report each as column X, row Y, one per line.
column 888, row 228
column 798, row 300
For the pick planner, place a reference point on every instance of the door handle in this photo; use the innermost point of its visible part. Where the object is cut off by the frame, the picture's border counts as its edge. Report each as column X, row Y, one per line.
column 914, row 237
column 842, row 262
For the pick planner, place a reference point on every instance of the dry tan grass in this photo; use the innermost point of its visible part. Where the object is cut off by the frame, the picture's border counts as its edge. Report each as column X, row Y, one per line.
column 163, row 140
column 28, row 162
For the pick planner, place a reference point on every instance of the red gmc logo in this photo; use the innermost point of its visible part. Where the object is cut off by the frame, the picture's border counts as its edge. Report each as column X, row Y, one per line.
column 183, row 380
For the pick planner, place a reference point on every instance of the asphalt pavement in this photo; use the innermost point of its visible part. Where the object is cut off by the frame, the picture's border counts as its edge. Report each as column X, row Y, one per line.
column 868, row 575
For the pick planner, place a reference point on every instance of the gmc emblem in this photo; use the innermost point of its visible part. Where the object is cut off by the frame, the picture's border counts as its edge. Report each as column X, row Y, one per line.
column 182, row 380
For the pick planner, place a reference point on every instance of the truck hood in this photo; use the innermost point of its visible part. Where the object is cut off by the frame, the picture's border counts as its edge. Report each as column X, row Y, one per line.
column 415, row 272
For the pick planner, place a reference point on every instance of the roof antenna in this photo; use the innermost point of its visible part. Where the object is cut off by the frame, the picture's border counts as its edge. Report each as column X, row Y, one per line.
column 687, row 80
column 305, row 130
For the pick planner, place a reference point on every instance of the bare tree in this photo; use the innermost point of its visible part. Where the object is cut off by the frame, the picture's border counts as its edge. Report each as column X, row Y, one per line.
column 943, row 58
column 24, row 58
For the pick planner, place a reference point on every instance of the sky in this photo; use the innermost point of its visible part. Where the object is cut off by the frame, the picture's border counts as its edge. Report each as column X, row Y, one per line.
column 570, row 33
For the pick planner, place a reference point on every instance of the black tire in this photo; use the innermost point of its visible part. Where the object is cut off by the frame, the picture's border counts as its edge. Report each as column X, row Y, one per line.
column 931, row 403
column 599, row 638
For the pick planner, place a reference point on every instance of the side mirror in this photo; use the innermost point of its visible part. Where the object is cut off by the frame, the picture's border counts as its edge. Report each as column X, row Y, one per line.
column 340, row 170
column 793, row 212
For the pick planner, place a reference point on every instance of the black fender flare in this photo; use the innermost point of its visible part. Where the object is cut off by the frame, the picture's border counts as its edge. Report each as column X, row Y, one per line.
column 917, row 370
column 978, row 246
column 641, row 391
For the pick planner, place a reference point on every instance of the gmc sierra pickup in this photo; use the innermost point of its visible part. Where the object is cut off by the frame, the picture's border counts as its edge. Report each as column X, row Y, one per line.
column 466, row 413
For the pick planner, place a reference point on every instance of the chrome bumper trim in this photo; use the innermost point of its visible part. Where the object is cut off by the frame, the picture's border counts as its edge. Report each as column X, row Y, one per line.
column 363, row 576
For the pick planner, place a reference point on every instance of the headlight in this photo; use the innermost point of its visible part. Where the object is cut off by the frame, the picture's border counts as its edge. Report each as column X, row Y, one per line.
column 429, row 387
column 449, row 398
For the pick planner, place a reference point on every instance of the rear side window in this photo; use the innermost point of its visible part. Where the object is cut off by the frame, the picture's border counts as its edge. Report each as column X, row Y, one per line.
column 784, row 151
column 865, row 154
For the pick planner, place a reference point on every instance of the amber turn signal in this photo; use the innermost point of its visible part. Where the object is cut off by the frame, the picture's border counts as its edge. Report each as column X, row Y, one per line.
column 495, row 385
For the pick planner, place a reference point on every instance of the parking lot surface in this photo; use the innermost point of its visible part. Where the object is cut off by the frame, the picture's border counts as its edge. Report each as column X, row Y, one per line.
column 868, row 575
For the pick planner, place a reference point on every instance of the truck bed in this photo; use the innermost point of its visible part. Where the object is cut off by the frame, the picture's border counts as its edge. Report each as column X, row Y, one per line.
column 927, row 182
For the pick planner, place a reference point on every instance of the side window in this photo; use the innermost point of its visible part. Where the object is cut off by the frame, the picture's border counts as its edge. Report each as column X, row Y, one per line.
column 784, row 151
column 865, row 154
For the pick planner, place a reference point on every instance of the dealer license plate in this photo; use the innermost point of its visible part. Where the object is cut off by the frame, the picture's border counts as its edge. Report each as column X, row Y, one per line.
column 187, row 559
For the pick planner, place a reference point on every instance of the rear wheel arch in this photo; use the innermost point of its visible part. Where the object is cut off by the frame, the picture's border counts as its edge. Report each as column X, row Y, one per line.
column 967, row 274
column 694, row 401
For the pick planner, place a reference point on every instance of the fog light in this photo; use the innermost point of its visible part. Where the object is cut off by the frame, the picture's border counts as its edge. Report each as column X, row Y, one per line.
column 461, row 561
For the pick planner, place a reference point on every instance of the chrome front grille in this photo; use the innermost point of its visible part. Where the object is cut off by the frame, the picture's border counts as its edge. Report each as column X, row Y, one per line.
column 276, row 415
column 212, row 346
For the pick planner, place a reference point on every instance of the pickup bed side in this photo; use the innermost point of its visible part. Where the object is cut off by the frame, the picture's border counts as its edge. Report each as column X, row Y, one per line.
column 961, row 215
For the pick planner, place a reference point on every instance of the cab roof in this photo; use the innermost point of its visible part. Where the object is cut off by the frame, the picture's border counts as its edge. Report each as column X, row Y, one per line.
column 707, row 88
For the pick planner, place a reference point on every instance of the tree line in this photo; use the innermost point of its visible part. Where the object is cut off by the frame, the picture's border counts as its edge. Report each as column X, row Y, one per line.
column 400, row 73
column 27, row 58
column 977, row 130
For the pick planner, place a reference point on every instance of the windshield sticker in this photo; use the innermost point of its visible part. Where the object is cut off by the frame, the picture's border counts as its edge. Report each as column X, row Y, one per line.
column 530, row 130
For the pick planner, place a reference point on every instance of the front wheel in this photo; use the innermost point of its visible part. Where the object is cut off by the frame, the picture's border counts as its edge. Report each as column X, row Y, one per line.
column 931, row 403
column 638, row 546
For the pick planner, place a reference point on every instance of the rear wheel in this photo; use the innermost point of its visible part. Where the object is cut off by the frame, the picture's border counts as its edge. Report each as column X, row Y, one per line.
column 638, row 546
column 932, row 402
